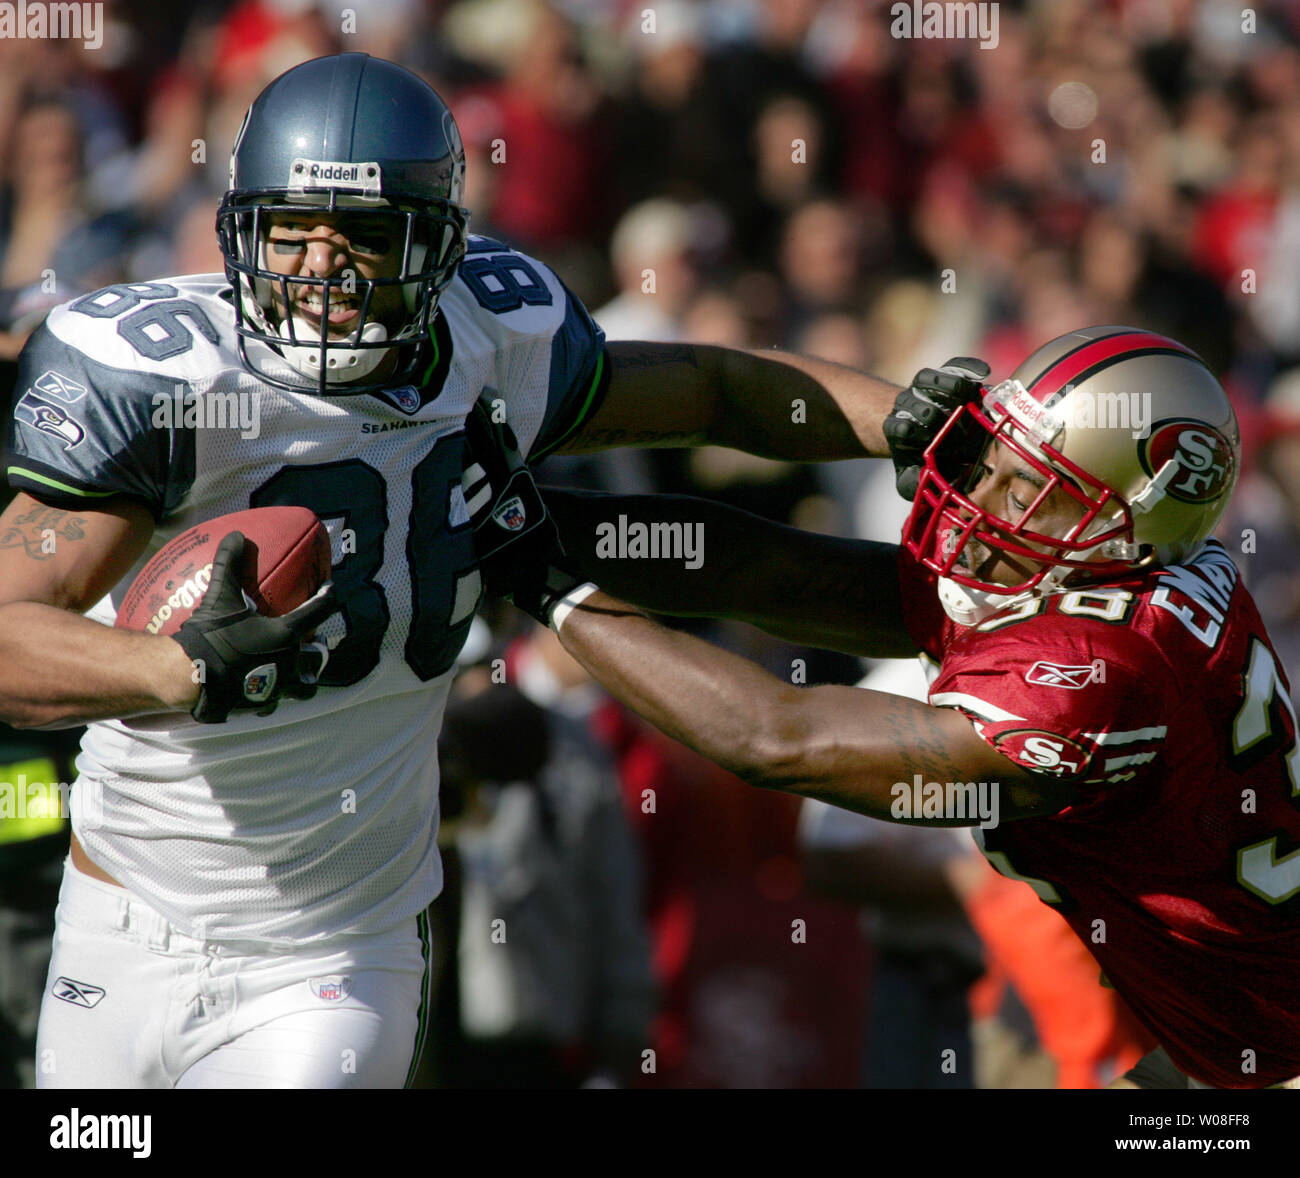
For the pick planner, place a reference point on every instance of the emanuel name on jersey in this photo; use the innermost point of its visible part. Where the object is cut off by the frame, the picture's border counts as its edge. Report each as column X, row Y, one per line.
column 323, row 816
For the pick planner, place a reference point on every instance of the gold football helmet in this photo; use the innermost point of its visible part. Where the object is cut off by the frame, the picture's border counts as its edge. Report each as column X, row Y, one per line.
column 1130, row 425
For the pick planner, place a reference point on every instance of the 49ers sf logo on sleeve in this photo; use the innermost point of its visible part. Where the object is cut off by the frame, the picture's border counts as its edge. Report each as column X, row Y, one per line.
column 1043, row 752
column 1204, row 457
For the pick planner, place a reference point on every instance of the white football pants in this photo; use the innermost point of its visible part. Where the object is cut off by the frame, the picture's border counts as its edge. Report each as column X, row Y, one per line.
column 132, row 1002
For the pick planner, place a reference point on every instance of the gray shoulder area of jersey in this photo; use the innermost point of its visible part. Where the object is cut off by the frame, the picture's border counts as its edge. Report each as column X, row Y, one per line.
column 520, row 332
column 99, row 382
column 500, row 297
column 181, row 330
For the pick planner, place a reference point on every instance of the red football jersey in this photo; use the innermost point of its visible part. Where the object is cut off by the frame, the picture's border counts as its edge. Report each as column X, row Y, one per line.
column 1178, row 866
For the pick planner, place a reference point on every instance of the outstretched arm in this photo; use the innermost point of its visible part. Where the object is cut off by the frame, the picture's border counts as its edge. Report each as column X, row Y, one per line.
column 771, row 403
column 816, row 590
column 844, row 745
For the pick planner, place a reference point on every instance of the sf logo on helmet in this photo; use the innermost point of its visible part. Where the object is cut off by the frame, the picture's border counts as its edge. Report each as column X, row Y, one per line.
column 1203, row 455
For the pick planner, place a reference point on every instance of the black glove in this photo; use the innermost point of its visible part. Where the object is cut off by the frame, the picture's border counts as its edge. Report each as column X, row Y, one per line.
column 919, row 414
column 248, row 660
column 519, row 551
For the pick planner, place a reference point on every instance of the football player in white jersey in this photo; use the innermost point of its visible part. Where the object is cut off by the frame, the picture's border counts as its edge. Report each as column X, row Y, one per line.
column 244, row 900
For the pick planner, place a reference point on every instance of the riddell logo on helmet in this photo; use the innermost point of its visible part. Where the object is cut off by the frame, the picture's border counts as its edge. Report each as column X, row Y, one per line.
column 363, row 177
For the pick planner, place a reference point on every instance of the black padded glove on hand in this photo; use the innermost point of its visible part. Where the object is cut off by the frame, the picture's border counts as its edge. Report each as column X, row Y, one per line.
column 248, row 661
column 519, row 551
column 919, row 414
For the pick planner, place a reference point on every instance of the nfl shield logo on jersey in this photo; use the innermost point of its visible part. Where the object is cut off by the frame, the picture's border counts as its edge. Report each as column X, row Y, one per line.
column 405, row 397
column 510, row 515
column 331, row 989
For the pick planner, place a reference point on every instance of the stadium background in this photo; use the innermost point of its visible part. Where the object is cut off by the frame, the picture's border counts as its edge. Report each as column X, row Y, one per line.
column 748, row 172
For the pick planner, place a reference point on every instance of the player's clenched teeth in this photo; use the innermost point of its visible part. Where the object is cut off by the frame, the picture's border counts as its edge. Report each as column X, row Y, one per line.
column 313, row 301
column 342, row 308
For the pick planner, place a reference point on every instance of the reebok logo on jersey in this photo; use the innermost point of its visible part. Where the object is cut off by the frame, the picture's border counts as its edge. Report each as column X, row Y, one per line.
column 62, row 388
column 77, row 993
column 333, row 988
column 1043, row 674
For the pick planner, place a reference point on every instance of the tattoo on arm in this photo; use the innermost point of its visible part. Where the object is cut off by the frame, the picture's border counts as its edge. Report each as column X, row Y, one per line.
column 41, row 530
column 922, row 748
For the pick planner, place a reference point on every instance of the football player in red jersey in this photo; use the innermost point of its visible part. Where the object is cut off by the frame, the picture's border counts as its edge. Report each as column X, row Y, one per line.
column 1107, row 705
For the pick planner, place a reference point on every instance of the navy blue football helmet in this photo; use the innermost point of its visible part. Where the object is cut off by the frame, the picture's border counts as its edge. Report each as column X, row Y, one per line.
column 360, row 137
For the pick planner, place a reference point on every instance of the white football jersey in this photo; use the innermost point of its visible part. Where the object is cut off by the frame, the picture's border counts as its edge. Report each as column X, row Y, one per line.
column 322, row 817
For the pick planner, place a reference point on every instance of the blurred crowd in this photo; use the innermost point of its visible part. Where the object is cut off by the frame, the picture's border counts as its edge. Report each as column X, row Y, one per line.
column 755, row 173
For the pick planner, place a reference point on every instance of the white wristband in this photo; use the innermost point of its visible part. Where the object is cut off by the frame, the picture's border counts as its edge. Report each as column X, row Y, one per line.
column 569, row 602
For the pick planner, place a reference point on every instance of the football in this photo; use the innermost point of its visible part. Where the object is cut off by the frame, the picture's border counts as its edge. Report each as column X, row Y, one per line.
column 287, row 560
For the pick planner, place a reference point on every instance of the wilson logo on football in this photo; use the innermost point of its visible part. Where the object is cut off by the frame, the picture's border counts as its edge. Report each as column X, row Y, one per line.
column 77, row 993
column 1044, row 674
column 1203, row 456
column 187, row 596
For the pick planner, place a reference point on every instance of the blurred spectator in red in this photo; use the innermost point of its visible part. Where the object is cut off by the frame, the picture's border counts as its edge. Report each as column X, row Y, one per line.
column 761, row 985
column 1231, row 233
column 850, row 47
column 553, row 187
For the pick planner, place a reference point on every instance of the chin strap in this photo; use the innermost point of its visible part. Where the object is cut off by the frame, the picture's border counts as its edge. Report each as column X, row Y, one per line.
column 969, row 607
column 343, row 364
